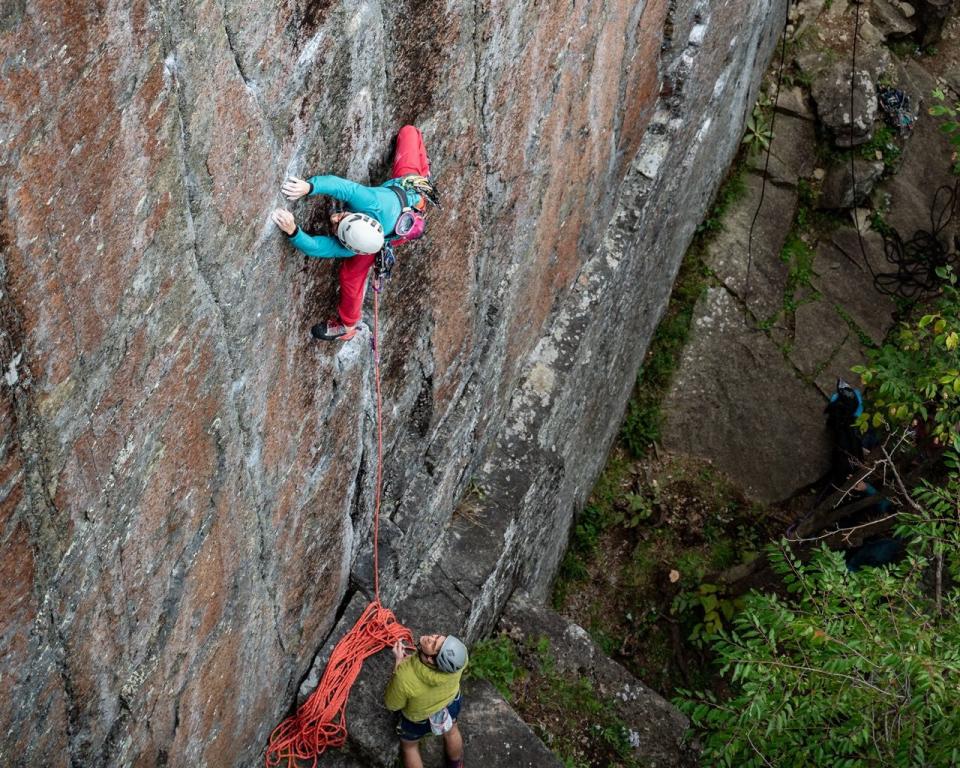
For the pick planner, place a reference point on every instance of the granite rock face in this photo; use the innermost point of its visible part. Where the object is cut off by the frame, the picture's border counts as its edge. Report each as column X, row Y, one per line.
column 186, row 478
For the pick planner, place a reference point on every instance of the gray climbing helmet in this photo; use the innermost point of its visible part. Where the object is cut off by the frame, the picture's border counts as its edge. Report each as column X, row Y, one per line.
column 452, row 655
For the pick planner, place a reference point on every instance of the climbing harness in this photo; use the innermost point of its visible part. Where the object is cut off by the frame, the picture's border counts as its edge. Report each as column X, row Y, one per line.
column 411, row 224
column 320, row 722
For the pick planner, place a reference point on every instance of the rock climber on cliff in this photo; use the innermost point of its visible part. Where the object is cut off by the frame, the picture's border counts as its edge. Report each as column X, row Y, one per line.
column 376, row 219
column 425, row 689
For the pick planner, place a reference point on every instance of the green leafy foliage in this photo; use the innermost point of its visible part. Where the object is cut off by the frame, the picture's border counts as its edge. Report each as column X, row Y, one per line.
column 759, row 133
column 882, row 146
column 847, row 669
column 916, row 375
column 496, row 661
column 714, row 608
column 635, row 508
column 951, row 123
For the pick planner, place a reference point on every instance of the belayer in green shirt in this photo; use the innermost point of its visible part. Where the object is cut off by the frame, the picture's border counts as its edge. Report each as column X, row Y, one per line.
column 425, row 690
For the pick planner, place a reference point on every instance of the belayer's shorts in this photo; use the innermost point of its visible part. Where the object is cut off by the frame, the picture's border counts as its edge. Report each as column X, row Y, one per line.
column 408, row 730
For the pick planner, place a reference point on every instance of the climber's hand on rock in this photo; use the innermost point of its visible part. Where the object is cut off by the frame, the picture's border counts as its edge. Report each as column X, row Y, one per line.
column 284, row 220
column 294, row 188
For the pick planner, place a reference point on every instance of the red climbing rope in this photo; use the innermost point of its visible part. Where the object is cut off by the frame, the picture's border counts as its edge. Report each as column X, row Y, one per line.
column 320, row 722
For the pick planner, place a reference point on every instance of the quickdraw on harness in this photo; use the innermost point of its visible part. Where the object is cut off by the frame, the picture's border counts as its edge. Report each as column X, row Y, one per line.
column 412, row 222
column 383, row 265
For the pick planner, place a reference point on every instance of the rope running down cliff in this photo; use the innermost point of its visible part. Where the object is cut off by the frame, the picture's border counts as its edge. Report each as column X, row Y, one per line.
column 320, row 722
column 766, row 162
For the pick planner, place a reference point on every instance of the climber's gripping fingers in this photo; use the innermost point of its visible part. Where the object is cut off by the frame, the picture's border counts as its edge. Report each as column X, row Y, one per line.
column 284, row 220
column 399, row 653
column 294, row 188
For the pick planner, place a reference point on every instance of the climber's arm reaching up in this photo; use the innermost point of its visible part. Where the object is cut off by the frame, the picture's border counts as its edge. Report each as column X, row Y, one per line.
column 357, row 196
column 317, row 246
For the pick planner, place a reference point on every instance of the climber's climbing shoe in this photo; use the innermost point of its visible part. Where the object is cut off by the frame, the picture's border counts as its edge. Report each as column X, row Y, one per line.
column 333, row 330
column 454, row 763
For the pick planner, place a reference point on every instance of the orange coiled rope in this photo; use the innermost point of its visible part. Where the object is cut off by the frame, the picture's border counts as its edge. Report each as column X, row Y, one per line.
column 320, row 722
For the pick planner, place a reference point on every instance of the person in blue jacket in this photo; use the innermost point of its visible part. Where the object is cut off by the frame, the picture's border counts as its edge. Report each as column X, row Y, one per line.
column 843, row 410
column 371, row 219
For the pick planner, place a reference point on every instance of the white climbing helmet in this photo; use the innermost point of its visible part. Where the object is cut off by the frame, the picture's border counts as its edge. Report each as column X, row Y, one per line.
column 360, row 233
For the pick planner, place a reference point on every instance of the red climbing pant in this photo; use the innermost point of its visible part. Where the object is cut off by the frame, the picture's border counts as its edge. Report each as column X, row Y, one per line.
column 410, row 158
column 353, row 286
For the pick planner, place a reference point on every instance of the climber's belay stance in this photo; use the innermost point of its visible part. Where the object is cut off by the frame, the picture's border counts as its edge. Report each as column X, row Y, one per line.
column 376, row 220
column 425, row 690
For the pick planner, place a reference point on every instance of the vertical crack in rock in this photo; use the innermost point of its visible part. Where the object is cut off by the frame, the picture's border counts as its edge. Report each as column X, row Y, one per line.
column 264, row 573
column 253, row 88
column 206, row 275
column 232, row 45
column 356, row 503
column 113, row 744
column 480, row 94
column 76, row 741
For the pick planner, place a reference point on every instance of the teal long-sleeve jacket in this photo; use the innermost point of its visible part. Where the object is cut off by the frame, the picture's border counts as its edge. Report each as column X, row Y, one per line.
column 378, row 202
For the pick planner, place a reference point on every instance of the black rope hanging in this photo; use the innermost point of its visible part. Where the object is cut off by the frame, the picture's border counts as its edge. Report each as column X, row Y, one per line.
column 915, row 261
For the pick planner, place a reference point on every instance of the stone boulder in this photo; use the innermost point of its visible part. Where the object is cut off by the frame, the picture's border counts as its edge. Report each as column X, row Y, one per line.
column 658, row 730
column 871, row 57
column 893, row 20
column 736, row 402
column 841, row 189
column 831, row 91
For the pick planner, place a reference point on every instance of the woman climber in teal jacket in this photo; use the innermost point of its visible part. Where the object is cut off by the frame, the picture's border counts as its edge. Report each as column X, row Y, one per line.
column 373, row 218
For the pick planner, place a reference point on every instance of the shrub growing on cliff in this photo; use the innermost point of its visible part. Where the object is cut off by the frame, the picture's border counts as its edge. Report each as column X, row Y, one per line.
column 854, row 669
column 916, row 376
